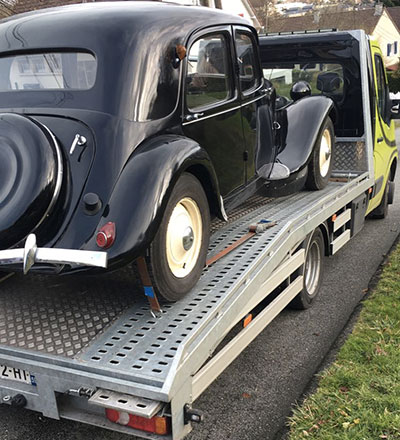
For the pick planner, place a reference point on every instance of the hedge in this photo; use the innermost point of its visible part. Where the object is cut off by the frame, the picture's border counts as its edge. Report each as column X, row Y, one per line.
column 394, row 81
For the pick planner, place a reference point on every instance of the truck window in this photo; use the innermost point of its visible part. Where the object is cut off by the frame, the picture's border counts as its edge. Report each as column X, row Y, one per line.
column 381, row 86
column 324, row 78
column 208, row 77
column 247, row 61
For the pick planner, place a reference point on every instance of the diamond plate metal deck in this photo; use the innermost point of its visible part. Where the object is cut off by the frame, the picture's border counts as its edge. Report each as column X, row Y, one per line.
column 350, row 155
column 60, row 315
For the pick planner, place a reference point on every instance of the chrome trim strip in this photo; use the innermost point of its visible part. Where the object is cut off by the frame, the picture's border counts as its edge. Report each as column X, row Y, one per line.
column 60, row 173
column 224, row 111
column 31, row 254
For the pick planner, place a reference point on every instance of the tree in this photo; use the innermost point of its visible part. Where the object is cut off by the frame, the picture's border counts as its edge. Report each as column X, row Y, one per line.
column 266, row 12
column 390, row 3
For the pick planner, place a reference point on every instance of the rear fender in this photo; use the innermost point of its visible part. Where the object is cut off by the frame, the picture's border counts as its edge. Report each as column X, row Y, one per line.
column 301, row 124
column 143, row 189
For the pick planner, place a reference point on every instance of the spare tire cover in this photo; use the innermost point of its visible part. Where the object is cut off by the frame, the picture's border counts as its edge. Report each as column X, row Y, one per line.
column 30, row 176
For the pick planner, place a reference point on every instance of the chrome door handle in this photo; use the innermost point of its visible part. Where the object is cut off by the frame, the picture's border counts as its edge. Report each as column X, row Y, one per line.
column 193, row 117
column 379, row 140
column 78, row 140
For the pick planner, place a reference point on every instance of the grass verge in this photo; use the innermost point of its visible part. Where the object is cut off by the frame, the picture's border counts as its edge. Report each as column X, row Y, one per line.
column 358, row 397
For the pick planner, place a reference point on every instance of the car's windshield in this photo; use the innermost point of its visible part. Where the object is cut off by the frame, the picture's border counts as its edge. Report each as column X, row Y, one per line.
column 48, row 71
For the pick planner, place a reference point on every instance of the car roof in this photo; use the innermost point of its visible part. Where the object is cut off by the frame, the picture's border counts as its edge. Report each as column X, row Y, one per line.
column 89, row 25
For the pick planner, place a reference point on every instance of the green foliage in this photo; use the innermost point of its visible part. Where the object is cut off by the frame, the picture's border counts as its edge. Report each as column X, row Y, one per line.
column 358, row 396
column 394, row 81
column 390, row 3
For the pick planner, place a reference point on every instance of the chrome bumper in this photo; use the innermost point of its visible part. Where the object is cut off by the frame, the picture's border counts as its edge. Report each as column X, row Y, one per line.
column 31, row 254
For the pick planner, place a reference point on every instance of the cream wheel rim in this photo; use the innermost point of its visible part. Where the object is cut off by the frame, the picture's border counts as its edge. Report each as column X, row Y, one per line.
column 325, row 153
column 184, row 237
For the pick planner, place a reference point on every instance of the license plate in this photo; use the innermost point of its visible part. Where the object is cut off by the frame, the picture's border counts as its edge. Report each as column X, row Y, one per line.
column 16, row 374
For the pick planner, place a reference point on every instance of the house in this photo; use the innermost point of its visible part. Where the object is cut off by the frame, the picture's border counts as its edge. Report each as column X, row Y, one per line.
column 377, row 22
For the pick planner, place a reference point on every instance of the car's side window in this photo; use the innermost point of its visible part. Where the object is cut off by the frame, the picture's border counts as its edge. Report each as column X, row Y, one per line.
column 247, row 61
column 381, row 86
column 208, row 77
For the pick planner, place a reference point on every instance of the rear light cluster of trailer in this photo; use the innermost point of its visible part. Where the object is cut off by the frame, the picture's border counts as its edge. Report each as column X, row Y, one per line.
column 156, row 425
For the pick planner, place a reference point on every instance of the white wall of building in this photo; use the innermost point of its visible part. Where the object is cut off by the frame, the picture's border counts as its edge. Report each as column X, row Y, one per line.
column 237, row 7
column 387, row 35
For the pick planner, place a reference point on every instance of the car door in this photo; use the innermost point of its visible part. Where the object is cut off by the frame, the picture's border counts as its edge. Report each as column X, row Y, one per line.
column 257, row 112
column 384, row 135
column 211, row 105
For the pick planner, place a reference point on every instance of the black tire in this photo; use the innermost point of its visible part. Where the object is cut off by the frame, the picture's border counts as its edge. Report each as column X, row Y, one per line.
column 312, row 270
column 318, row 177
column 165, row 282
column 382, row 210
column 391, row 192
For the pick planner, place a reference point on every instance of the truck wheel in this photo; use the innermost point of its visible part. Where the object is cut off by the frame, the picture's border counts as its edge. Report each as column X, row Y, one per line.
column 320, row 167
column 312, row 270
column 382, row 210
column 178, row 252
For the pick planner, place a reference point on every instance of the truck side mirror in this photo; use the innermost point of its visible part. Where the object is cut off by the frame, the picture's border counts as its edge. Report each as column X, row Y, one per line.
column 395, row 109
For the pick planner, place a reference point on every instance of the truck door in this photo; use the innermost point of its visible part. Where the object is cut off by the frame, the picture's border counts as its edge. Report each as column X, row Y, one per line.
column 211, row 109
column 257, row 113
column 384, row 134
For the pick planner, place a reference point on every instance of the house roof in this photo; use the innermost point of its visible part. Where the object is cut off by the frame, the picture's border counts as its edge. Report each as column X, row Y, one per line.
column 394, row 13
column 363, row 19
column 30, row 5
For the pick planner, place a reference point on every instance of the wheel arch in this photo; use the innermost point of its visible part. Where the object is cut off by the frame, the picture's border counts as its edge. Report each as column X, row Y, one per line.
column 142, row 191
column 301, row 133
column 325, row 234
column 208, row 183
column 393, row 168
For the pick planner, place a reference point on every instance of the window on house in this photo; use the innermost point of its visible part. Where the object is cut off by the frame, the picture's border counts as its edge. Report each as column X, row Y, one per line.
column 389, row 49
column 395, row 47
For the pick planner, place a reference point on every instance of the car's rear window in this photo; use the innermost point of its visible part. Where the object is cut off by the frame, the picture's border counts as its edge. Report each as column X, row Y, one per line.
column 48, row 71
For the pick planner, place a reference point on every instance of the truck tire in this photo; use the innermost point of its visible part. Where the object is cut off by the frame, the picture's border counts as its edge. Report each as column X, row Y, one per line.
column 382, row 210
column 312, row 270
column 391, row 192
column 320, row 166
column 178, row 252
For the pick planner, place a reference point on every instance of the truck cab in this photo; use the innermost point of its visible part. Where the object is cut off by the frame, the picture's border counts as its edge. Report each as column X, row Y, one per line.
column 383, row 132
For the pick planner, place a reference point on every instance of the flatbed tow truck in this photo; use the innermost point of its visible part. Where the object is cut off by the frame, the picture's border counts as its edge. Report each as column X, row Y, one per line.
column 89, row 349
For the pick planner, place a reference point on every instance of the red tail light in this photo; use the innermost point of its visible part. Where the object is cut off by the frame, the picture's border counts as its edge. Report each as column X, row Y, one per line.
column 156, row 425
column 106, row 236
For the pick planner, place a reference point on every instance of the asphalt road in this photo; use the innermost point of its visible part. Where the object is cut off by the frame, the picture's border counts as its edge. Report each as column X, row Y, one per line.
column 252, row 398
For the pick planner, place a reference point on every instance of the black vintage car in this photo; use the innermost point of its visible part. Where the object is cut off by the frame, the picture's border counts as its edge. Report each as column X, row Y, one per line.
column 124, row 126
